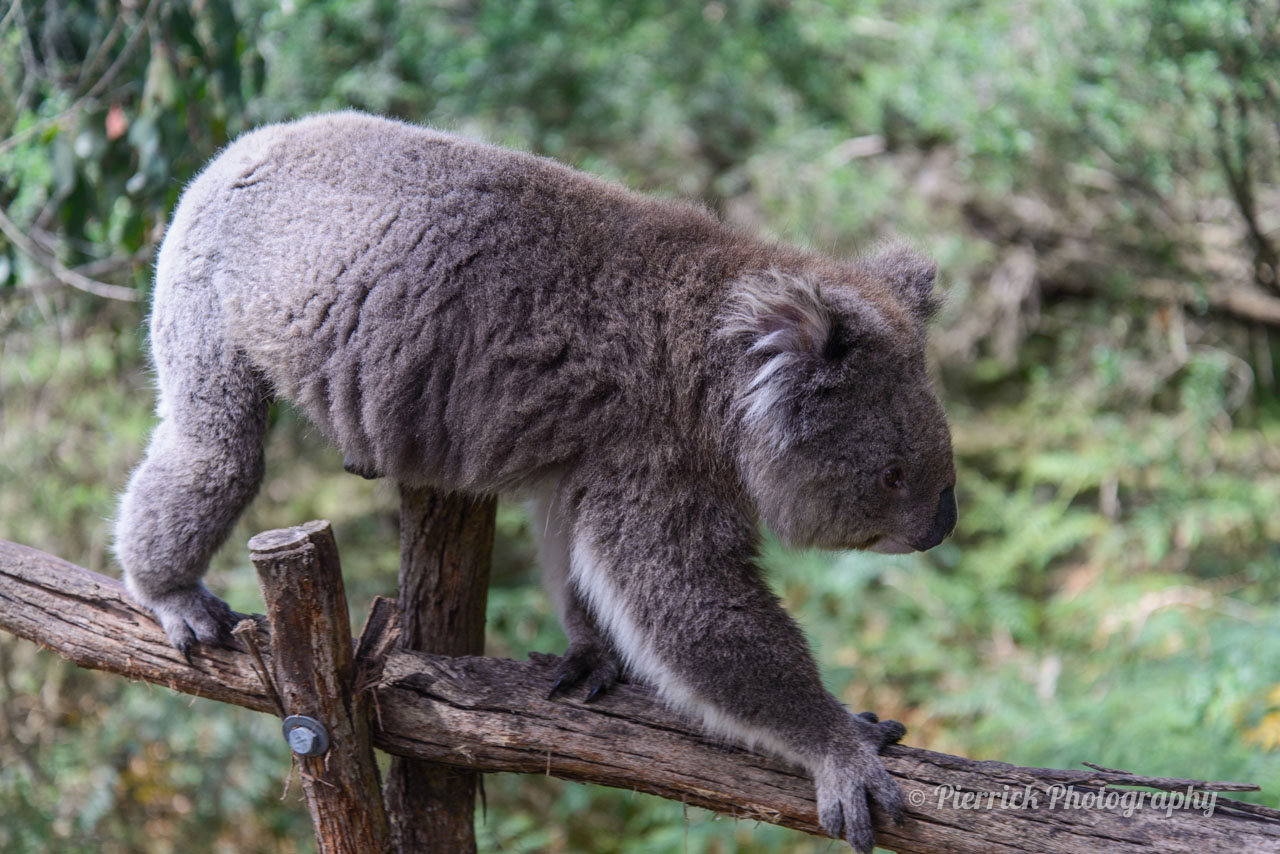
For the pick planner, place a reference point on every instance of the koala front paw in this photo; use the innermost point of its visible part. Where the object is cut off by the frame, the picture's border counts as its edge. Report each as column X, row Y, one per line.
column 852, row 780
column 193, row 615
column 586, row 663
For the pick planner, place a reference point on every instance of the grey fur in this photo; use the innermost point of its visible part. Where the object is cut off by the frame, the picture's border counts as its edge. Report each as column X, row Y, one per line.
column 461, row 316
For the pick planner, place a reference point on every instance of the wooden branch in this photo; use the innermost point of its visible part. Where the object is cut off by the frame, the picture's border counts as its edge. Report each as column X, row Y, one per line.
column 1242, row 301
column 445, row 546
column 315, row 676
column 94, row 270
column 88, row 619
column 1071, row 268
column 60, row 271
column 492, row 715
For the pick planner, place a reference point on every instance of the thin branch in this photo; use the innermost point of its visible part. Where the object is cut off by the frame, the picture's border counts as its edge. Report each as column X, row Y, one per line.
column 88, row 99
column 90, row 66
column 59, row 270
column 1240, row 181
column 28, row 60
column 13, row 9
column 126, row 53
column 93, row 270
column 246, row 631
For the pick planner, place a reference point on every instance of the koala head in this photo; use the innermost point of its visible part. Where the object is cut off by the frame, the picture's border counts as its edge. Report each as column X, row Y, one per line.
column 844, row 443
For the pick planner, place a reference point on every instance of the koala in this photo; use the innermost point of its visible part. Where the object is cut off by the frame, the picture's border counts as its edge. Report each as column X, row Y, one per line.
column 657, row 385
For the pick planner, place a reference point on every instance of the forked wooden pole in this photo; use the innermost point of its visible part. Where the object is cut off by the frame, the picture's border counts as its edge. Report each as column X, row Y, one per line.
column 445, row 546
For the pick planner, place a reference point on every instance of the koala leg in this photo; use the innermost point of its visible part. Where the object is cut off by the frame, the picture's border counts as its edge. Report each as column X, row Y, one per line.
column 590, row 659
column 202, row 468
column 670, row 575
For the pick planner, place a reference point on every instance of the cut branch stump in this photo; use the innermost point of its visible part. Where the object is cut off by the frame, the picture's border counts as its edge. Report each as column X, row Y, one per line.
column 314, row 673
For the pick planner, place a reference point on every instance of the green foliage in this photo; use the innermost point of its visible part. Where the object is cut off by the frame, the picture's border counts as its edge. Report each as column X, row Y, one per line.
column 111, row 772
column 99, row 135
column 1110, row 593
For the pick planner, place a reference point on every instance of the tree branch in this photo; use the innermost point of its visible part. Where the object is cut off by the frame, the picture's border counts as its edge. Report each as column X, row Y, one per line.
column 93, row 270
column 488, row 714
column 60, row 271
column 1238, row 171
column 1240, row 300
column 88, row 99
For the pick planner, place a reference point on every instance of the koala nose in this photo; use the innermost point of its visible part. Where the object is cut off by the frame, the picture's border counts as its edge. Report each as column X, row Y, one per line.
column 945, row 520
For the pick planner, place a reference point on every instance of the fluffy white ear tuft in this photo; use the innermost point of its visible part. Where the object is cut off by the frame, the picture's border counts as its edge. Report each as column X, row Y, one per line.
column 784, row 319
column 778, row 313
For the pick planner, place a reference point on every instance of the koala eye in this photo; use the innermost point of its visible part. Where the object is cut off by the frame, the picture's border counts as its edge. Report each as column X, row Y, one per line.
column 893, row 478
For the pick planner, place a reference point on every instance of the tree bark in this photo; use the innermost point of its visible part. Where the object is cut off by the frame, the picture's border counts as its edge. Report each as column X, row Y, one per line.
column 445, row 546
column 314, row 672
column 492, row 715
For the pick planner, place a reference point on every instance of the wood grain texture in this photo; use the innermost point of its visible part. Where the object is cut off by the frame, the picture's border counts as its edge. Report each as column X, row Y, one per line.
column 314, row 670
column 89, row 619
column 492, row 715
column 446, row 541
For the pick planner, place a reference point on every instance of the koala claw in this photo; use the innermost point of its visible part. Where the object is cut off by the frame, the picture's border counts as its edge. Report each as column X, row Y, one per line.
column 589, row 664
column 192, row 616
column 852, row 781
column 887, row 732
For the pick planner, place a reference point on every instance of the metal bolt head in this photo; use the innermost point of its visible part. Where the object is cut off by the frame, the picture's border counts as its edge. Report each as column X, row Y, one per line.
column 302, row 740
column 306, row 736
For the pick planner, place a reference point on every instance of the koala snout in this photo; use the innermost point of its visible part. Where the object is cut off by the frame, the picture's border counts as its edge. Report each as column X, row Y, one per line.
column 944, row 522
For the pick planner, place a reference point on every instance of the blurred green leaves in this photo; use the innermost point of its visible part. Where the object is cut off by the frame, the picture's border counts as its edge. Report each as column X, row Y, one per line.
column 110, row 108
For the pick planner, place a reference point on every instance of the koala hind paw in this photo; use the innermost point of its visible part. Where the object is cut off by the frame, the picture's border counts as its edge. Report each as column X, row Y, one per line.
column 588, row 664
column 193, row 615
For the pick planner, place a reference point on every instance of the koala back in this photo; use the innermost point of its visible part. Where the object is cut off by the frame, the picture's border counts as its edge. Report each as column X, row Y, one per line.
column 445, row 310
column 459, row 315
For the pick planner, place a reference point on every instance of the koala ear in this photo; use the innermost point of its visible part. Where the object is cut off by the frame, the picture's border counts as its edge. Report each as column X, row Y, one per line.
column 910, row 275
column 779, row 314
column 785, row 319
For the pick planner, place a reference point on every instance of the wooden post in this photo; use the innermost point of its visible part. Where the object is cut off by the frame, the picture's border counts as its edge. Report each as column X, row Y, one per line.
column 314, row 674
column 446, row 542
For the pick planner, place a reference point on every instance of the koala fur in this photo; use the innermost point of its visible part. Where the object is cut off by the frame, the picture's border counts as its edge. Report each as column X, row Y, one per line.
column 457, row 315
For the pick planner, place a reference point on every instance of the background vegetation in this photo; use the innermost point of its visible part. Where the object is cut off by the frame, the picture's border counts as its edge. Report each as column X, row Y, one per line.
column 1098, row 179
